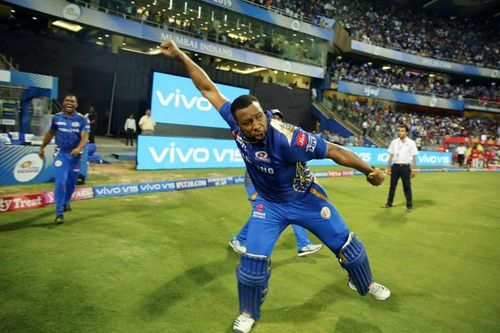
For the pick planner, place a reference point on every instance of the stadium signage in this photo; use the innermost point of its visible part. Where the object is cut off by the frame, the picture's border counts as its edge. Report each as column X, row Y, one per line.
column 175, row 100
column 156, row 187
column 21, row 202
column 80, row 193
column 184, row 153
column 198, row 45
column 192, row 183
column 115, row 190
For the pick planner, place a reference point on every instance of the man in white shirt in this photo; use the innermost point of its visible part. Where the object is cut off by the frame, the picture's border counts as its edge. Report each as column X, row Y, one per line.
column 130, row 130
column 461, row 154
column 147, row 124
column 402, row 164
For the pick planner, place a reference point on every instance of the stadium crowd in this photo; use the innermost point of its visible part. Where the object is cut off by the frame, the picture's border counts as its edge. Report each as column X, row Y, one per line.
column 464, row 40
column 426, row 129
column 413, row 81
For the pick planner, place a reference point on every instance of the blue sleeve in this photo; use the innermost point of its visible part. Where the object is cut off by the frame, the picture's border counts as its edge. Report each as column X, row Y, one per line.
column 53, row 126
column 225, row 112
column 305, row 146
column 85, row 125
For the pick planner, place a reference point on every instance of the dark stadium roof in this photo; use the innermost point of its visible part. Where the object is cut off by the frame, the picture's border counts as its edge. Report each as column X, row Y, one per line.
column 486, row 8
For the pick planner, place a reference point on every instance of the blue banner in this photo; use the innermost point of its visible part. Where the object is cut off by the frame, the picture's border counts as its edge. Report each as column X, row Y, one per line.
column 188, row 153
column 398, row 96
column 151, row 187
column 176, row 100
column 439, row 65
column 22, row 165
column 115, row 190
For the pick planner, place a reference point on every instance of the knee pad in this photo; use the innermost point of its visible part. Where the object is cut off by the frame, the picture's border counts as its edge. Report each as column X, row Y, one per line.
column 353, row 258
column 253, row 274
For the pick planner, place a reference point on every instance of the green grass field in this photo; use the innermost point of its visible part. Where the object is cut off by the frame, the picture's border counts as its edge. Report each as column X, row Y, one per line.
column 160, row 263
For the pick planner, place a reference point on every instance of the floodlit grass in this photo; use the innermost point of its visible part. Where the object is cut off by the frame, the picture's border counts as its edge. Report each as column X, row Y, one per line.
column 160, row 263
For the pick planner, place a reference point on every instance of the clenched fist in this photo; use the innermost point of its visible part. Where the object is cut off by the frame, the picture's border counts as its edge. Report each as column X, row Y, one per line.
column 376, row 177
column 169, row 48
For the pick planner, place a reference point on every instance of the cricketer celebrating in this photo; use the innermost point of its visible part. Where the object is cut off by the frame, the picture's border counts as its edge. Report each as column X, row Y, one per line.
column 275, row 154
column 72, row 132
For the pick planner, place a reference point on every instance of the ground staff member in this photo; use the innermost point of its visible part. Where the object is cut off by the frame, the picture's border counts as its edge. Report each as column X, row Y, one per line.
column 72, row 133
column 275, row 155
column 403, row 152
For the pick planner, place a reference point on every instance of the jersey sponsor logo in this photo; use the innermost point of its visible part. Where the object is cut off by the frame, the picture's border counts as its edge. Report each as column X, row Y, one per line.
column 60, row 123
column 262, row 156
column 301, row 139
column 325, row 213
column 311, row 145
column 28, row 167
column 259, row 211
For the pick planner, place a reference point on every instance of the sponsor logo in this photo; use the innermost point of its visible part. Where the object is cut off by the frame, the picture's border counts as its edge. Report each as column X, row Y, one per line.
column 80, row 193
column 325, row 213
column 220, row 181
column 177, row 98
column 301, row 139
column 71, row 12
column 259, row 211
column 436, row 63
column 239, row 180
column 433, row 102
column 321, row 174
column 192, row 183
column 311, row 145
column 58, row 163
column 262, row 156
column 198, row 155
column 295, row 25
column 334, row 173
column 28, row 167
column 115, row 190
column 21, row 202
column 156, row 187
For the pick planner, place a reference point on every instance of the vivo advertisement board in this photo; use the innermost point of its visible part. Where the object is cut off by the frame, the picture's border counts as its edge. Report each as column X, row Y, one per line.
column 187, row 153
column 176, row 100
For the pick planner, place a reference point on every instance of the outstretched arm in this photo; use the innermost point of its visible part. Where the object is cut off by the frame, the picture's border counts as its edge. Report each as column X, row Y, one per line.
column 347, row 158
column 197, row 74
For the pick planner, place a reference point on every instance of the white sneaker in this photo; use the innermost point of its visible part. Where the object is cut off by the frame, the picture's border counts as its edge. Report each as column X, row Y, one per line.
column 308, row 249
column 377, row 290
column 243, row 324
column 237, row 247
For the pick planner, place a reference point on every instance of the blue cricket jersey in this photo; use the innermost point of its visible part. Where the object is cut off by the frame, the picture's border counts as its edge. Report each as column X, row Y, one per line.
column 69, row 130
column 277, row 166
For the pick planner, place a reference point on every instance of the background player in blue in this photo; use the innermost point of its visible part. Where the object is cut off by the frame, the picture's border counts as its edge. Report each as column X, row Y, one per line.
column 72, row 132
column 275, row 154
column 304, row 245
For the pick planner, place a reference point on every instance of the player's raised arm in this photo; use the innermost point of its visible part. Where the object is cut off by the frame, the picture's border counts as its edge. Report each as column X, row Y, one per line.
column 347, row 158
column 197, row 74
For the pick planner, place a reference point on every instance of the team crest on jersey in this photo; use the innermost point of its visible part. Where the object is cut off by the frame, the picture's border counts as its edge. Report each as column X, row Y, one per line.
column 57, row 163
column 262, row 156
column 301, row 139
column 325, row 213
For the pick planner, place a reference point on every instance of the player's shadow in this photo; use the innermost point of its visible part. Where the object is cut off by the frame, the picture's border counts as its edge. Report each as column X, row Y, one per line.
column 349, row 325
column 316, row 304
column 30, row 222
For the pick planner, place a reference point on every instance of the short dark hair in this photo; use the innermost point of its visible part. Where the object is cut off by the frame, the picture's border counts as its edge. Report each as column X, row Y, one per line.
column 242, row 102
column 405, row 127
column 70, row 95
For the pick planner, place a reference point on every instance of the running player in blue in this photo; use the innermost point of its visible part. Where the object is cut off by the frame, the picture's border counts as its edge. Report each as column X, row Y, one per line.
column 238, row 242
column 275, row 154
column 72, row 133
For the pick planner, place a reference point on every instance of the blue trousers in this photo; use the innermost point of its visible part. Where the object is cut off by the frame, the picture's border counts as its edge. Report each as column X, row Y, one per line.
column 300, row 233
column 314, row 212
column 67, row 169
